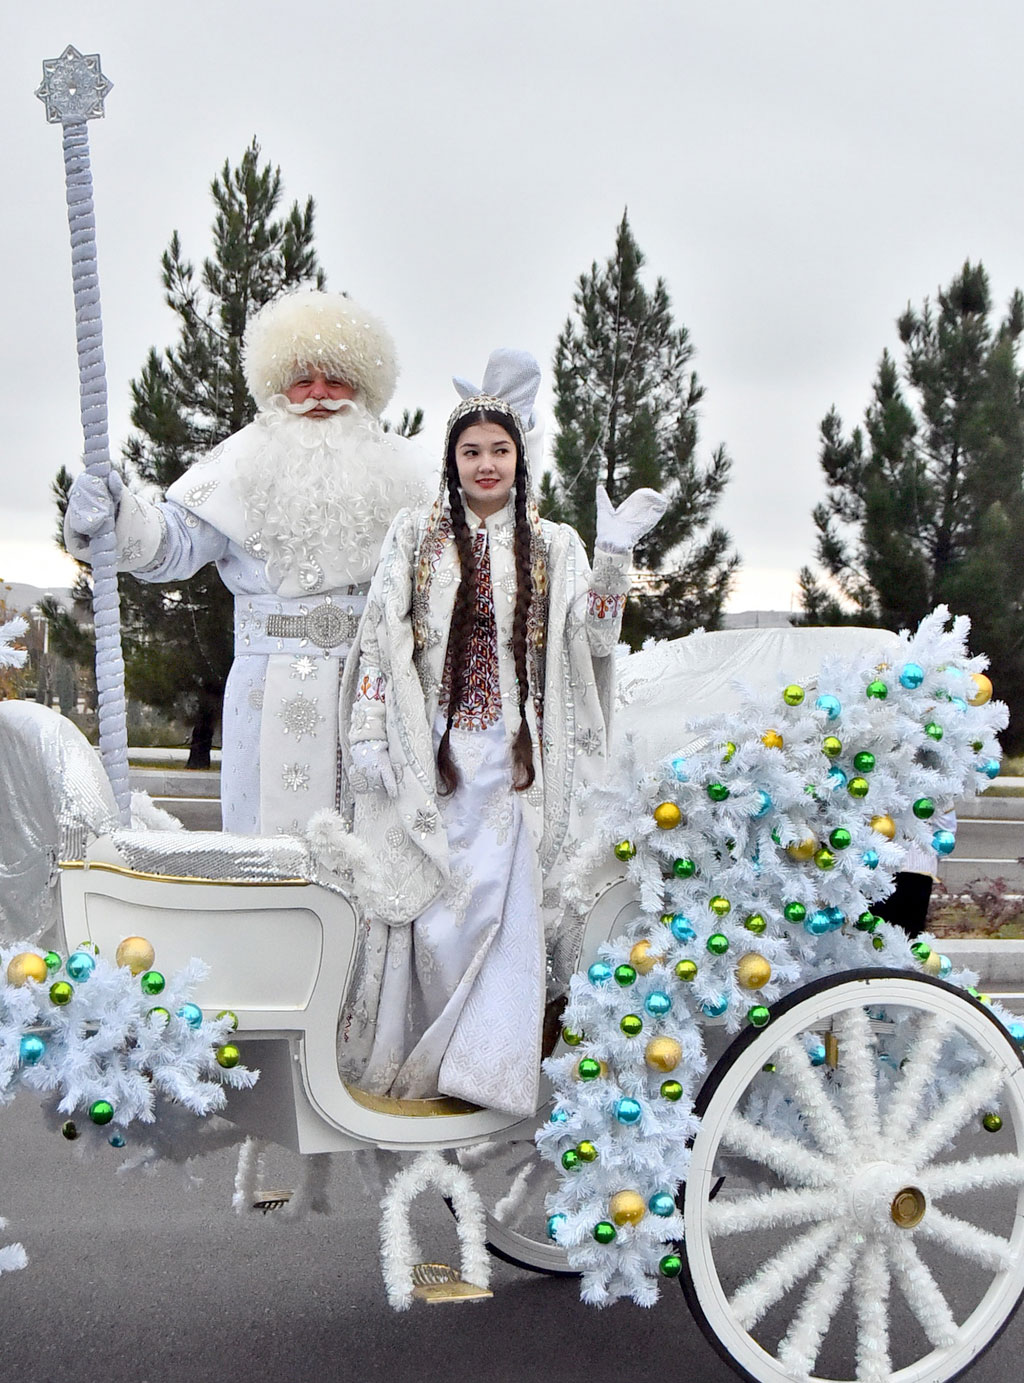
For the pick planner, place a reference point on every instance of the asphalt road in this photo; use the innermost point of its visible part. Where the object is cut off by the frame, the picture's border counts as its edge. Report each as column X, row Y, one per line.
column 141, row 1278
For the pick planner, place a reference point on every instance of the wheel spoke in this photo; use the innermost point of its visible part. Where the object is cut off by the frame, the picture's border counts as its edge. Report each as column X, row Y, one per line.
column 921, row 1064
column 813, row 1100
column 513, row 1201
column 771, row 1210
column 923, row 1294
column 872, row 1285
column 967, row 1240
column 977, row 1090
column 976, row 1174
column 780, row 1274
column 859, row 1090
column 799, row 1349
column 783, row 1155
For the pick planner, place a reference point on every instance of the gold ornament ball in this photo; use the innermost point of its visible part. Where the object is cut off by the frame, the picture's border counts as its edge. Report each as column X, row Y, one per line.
column 667, row 815
column 663, row 1053
column 884, row 825
column 982, row 689
column 24, row 967
column 753, row 971
column 933, row 965
column 136, row 953
column 640, row 957
column 771, row 739
column 626, row 1208
column 802, row 850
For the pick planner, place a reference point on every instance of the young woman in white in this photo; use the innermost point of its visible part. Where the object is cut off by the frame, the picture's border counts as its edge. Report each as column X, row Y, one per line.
column 478, row 700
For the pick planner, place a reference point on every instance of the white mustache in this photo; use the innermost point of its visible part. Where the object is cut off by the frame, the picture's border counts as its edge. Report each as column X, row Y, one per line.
column 332, row 405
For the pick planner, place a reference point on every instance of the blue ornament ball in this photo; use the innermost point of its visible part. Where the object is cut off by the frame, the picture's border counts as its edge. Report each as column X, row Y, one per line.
column 559, row 1116
column 30, row 1049
column 959, row 703
column 836, row 918
column 818, row 923
column 600, row 972
column 945, row 967
column 912, row 676
column 116, row 1140
column 192, row 1014
column 837, row 776
column 555, row 1223
column 817, row 1054
column 831, row 705
column 870, row 859
column 679, row 772
column 80, row 965
column 681, row 928
column 990, row 768
column 714, row 1008
column 943, row 842
column 661, row 1203
column 627, row 1111
column 1016, row 1031
column 657, row 1003
column 764, row 804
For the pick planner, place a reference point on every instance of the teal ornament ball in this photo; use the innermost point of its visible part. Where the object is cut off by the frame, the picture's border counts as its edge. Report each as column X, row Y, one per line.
column 599, row 973
column 627, row 1111
column 661, row 1203
column 718, row 792
column 682, row 928
column 863, row 762
column 836, row 917
column 116, row 1140
column 658, row 1003
column 990, row 768
column 101, row 1111
column 192, row 1015
column 911, row 676
column 793, row 694
column 684, row 869
column 837, row 777
column 714, row 1008
column 558, row 1116
column 80, row 965
column 816, row 1054
column 945, row 967
column 818, row 923
column 1016, row 1031
column 679, row 772
column 555, row 1223
column 959, row 704
column 923, row 808
column 831, row 705
column 943, row 842
column 152, row 982
column 762, row 804
column 877, row 690
column 870, row 859
column 31, row 1049
column 624, row 975
column 604, row 1232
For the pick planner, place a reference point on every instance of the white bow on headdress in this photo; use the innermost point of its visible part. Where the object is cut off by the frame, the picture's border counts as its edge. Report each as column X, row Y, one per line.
column 511, row 376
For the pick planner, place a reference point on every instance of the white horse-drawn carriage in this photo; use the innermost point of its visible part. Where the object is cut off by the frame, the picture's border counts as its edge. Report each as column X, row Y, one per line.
column 835, row 1207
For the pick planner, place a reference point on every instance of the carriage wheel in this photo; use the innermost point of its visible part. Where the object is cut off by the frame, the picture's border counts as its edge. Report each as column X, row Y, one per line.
column 513, row 1179
column 880, row 1119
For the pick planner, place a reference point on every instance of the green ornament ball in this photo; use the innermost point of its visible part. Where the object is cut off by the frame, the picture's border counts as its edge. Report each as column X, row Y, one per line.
column 671, row 1090
column 921, row 950
column 992, row 1123
column 684, row 869
column 231, row 1016
column 933, row 731
column 720, row 906
column 604, row 1232
column 570, row 1038
column 69, row 1130
column 587, row 1151
column 976, row 745
column 858, row 787
column 718, row 944
column 152, row 982
column 793, row 694
column 161, row 1014
column 728, row 750
column 878, row 942
column 794, row 912
column 61, row 993
column 755, row 923
column 625, row 850
column 588, row 1068
column 666, row 919
column 877, row 690
column 570, row 1159
column 867, row 922
column 864, row 762
column 686, row 970
column 101, row 1111
column 824, row 859
column 923, row 808
column 718, row 792
column 671, row 1265
column 228, row 1056
column 840, row 838
column 832, row 746
column 52, row 961
column 631, row 1024
column 759, row 1016
column 624, row 975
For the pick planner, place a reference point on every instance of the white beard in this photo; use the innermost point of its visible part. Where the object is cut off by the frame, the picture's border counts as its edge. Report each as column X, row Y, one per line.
column 319, row 495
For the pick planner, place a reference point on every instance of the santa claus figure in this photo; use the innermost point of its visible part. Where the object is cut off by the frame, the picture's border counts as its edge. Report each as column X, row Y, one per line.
column 293, row 510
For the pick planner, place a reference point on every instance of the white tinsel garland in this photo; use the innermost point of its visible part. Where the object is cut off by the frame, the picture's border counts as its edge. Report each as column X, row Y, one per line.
column 9, row 631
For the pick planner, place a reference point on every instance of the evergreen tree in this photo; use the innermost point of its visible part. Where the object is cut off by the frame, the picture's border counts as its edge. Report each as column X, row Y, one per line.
column 925, row 503
column 626, row 405
column 178, row 637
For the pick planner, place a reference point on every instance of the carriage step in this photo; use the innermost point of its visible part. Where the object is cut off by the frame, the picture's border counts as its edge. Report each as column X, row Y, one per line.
column 437, row 1282
column 270, row 1200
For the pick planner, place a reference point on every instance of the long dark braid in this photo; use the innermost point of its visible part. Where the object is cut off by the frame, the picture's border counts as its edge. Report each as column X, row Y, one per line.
column 463, row 619
column 523, row 772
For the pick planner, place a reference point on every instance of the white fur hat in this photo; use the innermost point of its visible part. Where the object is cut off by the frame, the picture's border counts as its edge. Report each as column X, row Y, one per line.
column 327, row 331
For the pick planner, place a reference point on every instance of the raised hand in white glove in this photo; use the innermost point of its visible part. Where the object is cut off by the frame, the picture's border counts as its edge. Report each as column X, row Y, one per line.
column 90, row 501
column 619, row 530
column 371, row 769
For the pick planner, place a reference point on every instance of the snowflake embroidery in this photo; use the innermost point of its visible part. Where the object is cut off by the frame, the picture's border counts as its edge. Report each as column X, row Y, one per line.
column 295, row 777
column 425, row 822
column 299, row 716
column 503, row 535
column 588, row 741
column 304, row 667
column 132, row 550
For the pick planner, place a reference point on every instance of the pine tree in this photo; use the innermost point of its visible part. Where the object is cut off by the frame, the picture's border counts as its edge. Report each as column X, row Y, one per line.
column 178, row 636
column 925, row 504
column 626, row 405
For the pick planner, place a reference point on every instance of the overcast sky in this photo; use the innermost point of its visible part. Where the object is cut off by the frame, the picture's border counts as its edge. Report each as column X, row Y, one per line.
column 795, row 171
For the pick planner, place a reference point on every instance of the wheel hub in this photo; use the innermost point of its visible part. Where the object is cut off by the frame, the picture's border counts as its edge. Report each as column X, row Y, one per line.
column 883, row 1194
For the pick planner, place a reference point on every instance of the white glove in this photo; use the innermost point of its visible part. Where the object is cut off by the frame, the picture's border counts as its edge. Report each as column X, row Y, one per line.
column 371, row 769
column 619, row 530
column 90, row 501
